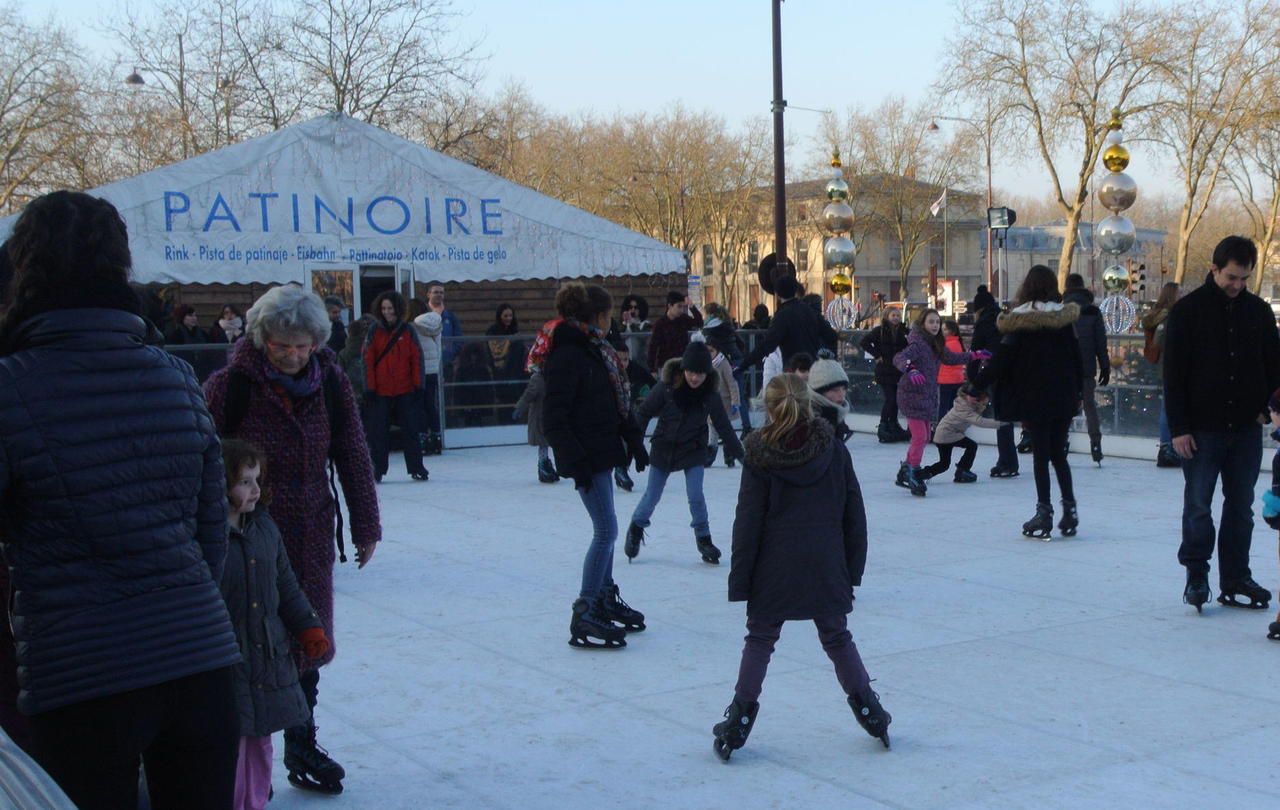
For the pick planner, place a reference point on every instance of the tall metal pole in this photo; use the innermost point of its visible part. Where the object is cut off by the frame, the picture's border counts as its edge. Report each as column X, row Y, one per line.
column 989, row 198
column 779, row 167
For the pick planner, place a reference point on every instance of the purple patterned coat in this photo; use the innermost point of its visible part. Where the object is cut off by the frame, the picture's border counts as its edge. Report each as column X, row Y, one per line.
column 921, row 401
column 295, row 436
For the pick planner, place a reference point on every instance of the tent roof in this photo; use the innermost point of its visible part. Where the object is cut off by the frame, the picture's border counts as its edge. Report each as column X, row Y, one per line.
column 334, row 191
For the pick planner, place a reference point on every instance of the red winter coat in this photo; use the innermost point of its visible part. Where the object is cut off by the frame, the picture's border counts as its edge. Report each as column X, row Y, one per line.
column 949, row 374
column 400, row 370
column 295, row 435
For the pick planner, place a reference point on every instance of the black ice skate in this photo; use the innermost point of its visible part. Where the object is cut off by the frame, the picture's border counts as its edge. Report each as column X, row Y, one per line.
column 871, row 715
column 1258, row 597
column 901, row 480
column 547, row 472
column 708, row 550
column 622, row 479
column 1001, row 471
column 635, row 538
column 310, row 766
column 965, row 477
column 1024, row 443
column 616, row 610
column 588, row 624
column 1273, row 632
column 732, row 732
column 916, row 482
column 1041, row 525
column 1070, row 519
column 1095, row 450
column 421, row 475
column 1197, row 591
column 435, row 444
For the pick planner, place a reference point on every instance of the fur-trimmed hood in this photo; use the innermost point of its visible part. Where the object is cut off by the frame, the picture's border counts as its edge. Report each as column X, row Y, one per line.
column 800, row 467
column 1037, row 316
column 683, row 394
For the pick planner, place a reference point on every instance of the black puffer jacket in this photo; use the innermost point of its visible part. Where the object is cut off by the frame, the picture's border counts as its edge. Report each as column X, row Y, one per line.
column 883, row 343
column 680, row 437
column 1036, row 367
column 580, row 415
column 796, row 328
column 267, row 609
column 800, row 533
column 114, row 508
column 1090, row 331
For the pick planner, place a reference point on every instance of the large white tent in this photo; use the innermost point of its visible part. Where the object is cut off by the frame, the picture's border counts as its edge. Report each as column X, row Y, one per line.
column 333, row 194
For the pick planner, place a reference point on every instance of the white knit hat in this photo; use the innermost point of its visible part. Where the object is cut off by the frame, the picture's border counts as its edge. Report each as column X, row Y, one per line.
column 826, row 374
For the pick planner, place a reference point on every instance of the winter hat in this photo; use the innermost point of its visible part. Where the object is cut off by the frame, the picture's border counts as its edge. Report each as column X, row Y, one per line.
column 826, row 374
column 696, row 357
column 982, row 299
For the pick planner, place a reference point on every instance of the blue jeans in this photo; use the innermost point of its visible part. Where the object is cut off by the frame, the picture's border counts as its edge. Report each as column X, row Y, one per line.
column 1165, row 436
column 744, row 411
column 597, row 568
column 693, row 489
column 1236, row 456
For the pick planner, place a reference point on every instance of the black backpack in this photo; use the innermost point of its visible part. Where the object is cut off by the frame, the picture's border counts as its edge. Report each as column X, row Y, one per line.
column 236, row 405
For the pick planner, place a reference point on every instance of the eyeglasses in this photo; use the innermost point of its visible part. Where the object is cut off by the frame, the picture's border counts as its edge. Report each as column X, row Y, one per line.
column 291, row 348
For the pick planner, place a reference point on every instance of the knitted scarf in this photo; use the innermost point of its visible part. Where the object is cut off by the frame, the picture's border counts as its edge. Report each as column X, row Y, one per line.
column 233, row 328
column 306, row 383
column 617, row 377
column 541, row 346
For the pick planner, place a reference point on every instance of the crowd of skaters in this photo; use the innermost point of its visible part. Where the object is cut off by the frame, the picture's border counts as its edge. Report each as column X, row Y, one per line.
column 198, row 521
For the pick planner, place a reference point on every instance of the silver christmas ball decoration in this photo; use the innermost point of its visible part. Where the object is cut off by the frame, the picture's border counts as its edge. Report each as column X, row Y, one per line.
column 837, row 217
column 1117, row 192
column 1118, row 313
column 1114, row 138
column 1115, row 234
column 837, row 189
column 839, row 251
column 1115, row 279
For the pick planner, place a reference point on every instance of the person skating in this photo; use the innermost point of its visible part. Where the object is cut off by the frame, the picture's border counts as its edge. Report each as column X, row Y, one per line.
column 950, row 377
column 393, row 385
column 797, row 475
column 727, row 387
column 966, row 411
column 918, row 392
column 587, row 419
column 1221, row 363
column 795, row 328
column 1039, row 379
column 1271, row 497
column 830, row 385
column 670, row 333
column 1092, row 335
column 529, row 407
column 882, row 344
column 642, row 383
column 1153, row 332
column 683, row 400
column 986, row 336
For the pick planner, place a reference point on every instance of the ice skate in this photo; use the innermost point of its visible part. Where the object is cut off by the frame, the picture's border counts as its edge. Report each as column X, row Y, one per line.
column 1070, row 519
column 435, row 444
column 616, row 610
column 547, row 472
column 635, row 538
column 1041, row 525
column 1024, row 443
column 965, row 477
column 708, row 550
column 915, row 483
column 587, row 624
column 310, row 767
column 871, row 715
column 1001, row 471
column 903, row 471
column 1257, row 596
column 732, row 732
column 1197, row 591
column 421, row 475
column 1095, row 451
column 1273, row 632
column 623, row 480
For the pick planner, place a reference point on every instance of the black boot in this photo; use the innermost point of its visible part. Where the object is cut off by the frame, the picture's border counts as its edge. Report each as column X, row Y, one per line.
column 589, row 623
column 871, row 715
column 904, row 469
column 1197, row 591
column 622, row 479
column 1070, row 519
column 619, row 611
column 635, row 538
column 965, row 476
column 915, row 483
column 1257, row 596
column 310, row 766
column 547, row 471
column 1273, row 631
column 1024, row 443
column 732, row 732
column 708, row 550
column 1167, row 457
column 1041, row 524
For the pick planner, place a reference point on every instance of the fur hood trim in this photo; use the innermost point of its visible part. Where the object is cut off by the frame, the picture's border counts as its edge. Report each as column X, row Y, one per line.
column 764, row 456
column 1031, row 318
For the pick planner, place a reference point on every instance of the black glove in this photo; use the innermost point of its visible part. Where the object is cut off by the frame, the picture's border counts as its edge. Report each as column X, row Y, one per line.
column 1104, row 375
column 640, row 456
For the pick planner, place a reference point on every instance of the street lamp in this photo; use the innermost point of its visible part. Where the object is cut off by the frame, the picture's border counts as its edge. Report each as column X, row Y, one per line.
column 135, row 79
column 984, row 129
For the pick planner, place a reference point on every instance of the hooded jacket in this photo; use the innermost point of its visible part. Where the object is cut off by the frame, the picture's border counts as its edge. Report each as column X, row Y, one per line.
column 1037, row 367
column 429, row 325
column 1090, row 331
column 800, row 532
column 883, row 343
column 921, row 401
column 959, row 419
column 680, row 437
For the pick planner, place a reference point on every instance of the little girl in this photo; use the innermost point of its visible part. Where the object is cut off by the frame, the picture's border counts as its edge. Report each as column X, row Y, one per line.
column 263, row 599
column 918, row 390
column 683, row 401
column 799, row 549
column 965, row 411
column 950, row 377
column 530, row 404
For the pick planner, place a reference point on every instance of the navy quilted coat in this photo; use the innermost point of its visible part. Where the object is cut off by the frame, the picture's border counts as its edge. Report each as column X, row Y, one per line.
column 112, row 512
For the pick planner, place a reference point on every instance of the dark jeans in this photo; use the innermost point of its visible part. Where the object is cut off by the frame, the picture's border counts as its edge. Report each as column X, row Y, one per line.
column 1235, row 456
column 597, row 568
column 186, row 732
column 431, row 402
column 833, row 632
column 409, row 414
column 947, row 398
column 745, row 410
column 1006, row 448
column 1049, row 446
column 943, row 464
column 1091, row 411
column 889, row 411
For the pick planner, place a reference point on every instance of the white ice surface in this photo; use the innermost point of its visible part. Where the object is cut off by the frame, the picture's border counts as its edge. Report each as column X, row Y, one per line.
column 1019, row 673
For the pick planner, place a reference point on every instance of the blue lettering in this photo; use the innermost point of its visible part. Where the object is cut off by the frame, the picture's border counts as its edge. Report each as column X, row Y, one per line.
column 262, row 201
column 170, row 209
column 454, row 215
column 404, row 215
column 349, row 224
column 296, row 226
column 486, row 215
column 426, row 214
column 226, row 215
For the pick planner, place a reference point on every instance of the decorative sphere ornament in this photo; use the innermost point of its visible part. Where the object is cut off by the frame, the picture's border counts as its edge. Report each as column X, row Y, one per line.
column 841, row 314
column 1117, row 192
column 1114, row 137
column 1115, row 234
column 1118, row 314
column 837, row 217
column 1115, row 280
column 1116, row 158
column 839, row 251
column 841, row 284
column 837, row 189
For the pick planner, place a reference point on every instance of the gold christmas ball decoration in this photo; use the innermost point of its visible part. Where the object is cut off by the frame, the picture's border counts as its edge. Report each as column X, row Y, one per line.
column 1116, row 158
column 841, row 284
column 1115, row 279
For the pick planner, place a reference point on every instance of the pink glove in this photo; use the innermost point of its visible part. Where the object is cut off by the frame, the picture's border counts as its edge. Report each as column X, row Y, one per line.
column 982, row 354
column 915, row 378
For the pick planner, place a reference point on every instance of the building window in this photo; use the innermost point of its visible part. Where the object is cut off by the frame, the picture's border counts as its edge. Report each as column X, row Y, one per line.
column 708, row 260
column 753, row 256
column 802, row 255
column 895, row 258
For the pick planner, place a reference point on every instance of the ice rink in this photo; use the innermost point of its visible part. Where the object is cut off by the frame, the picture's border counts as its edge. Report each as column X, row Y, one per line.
column 1019, row 673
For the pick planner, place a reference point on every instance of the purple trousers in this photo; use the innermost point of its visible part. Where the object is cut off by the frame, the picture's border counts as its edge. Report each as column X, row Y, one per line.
column 253, row 774
column 833, row 632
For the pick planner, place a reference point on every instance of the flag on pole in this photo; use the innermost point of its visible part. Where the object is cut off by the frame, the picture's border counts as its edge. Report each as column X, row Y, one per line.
column 939, row 203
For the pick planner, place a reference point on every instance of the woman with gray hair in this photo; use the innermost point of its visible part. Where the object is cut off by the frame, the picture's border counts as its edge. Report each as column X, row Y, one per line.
column 284, row 391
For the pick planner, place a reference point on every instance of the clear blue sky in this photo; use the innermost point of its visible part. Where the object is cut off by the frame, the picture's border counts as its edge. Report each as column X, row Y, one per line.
column 588, row 55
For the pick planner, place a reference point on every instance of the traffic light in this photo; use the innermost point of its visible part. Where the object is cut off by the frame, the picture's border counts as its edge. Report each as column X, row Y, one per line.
column 1138, row 280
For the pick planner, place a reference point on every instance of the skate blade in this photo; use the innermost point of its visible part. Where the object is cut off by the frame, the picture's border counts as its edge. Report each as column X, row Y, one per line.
column 1230, row 600
column 304, row 782
column 884, row 738
column 711, row 560
column 585, row 643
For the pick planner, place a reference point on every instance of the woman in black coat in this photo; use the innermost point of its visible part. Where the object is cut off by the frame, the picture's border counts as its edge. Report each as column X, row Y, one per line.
column 506, row 357
column 586, row 417
column 799, row 549
column 882, row 343
column 1040, row 381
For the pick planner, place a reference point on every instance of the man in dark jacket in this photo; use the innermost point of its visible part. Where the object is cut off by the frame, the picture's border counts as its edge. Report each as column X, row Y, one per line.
column 1092, row 334
column 114, row 505
column 986, row 337
column 1221, row 363
column 796, row 328
column 670, row 333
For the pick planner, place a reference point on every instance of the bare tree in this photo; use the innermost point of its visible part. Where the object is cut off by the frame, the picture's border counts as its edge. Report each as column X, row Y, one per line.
column 737, row 214
column 1061, row 68
column 1254, row 173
